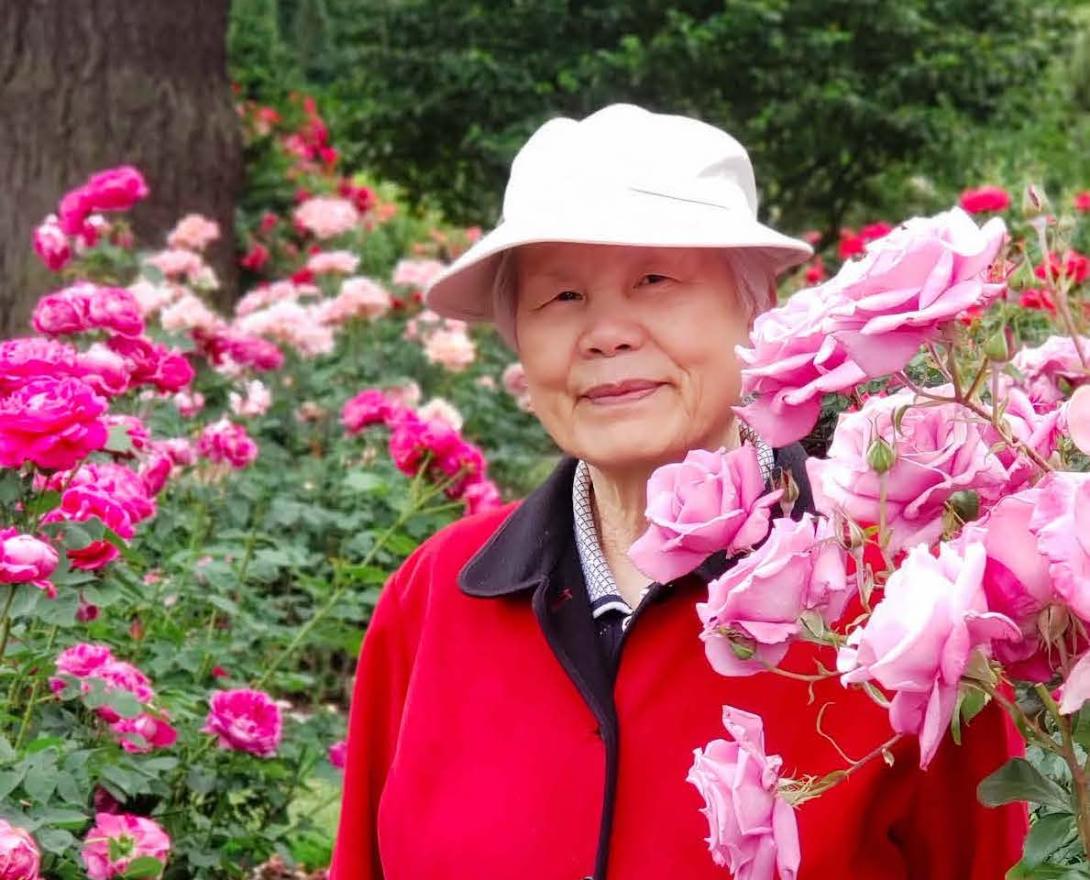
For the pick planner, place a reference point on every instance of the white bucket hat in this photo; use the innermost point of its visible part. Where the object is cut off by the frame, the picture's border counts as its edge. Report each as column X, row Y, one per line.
column 622, row 175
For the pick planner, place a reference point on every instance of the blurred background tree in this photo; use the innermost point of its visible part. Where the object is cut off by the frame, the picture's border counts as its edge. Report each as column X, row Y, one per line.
column 846, row 106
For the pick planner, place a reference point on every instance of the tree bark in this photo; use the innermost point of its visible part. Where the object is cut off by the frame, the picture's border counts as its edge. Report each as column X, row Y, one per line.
column 91, row 84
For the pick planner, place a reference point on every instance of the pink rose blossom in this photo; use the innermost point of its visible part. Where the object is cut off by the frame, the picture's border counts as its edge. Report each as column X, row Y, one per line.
column 117, row 675
column 52, row 245
column 238, row 348
column 116, row 189
column 137, row 431
column 156, row 469
column 179, row 449
column 117, row 840
column 256, row 401
column 481, row 496
column 32, row 357
column 1054, row 361
column 144, row 733
column 1076, row 687
column 1061, row 522
column 292, row 323
column 245, row 720
column 85, row 306
column 265, row 295
column 710, row 501
column 106, row 371
column 753, row 832
column 326, row 217
column 177, row 264
column 51, row 422
column 358, row 298
column 333, row 262
column 226, row 442
column 81, row 503
column 115, row 308
column 83, row 659
column 370, row 407
column 415, row 273
column 194, row 232
column 918, row 641
column 119, row 482
column 753, row 610
column 151, row 298
column 866, row 321
column 189, row 403
column 338, row 754
column 25, row 559
column 19, row 855
column 1077, row 416
column 189, row 312
column 938, row 451
column 441, row 410
column 452, row 349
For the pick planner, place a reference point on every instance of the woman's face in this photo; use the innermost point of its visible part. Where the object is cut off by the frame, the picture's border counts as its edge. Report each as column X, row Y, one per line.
column 629, row 351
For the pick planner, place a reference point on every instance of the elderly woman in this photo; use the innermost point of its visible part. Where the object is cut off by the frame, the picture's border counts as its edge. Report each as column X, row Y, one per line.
column 527, row 703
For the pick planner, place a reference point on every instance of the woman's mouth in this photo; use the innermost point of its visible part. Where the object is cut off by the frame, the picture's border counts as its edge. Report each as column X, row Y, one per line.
column 630, row 390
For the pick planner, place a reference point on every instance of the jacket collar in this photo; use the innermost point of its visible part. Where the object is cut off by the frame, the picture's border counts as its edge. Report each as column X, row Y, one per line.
column 527, row 547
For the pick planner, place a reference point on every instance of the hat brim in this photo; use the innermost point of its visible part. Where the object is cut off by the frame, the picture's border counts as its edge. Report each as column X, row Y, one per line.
column 463, row 290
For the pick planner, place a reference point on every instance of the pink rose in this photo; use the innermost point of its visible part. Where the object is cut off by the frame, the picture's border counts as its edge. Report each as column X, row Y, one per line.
column 412, row 439
column 452, row 349
column 25, row 559
column 360, row 298
column 866, row 321
column 370, row 407
column 19, row 856
column 938, row 452
column 117, row 840
column 120, row 483
column 1061, row 522
column 245, row 720
column 326, row 217
column 753, row 832
column 81, row 503
column 117, row 675
column 333, row 262
column 64, row 311
column 710, row 501
column 104, row 370
column 150, row 363
column 226, row 442
column 51, row 422
column 1039, row 431
column 83, row 659
column 115, row 308
column 338, row 754
column 1016, row 580
column 481, row 496
column 52, row 245
column 33, row 357
column 1076, row 687
column 155, row 471
column 144, row 733
column 193, row 231
column 753, row 610
column 918, row 641
column 1046, row 366
column 1077, row 415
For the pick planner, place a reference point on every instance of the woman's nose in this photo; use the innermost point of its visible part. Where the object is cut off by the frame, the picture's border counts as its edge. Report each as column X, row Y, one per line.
column 610, row 334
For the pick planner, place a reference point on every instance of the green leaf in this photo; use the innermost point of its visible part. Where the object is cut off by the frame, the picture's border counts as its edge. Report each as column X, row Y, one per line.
column 40, row 782
column 119, row 439
column 11, row 487
column 1018, row 780
column 73, row 820
column 42, row 503
column 145, row 866
column 1047, row 835
column 9, row 781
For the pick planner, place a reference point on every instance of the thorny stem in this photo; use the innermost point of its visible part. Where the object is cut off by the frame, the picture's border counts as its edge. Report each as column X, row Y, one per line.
column 1078, row 771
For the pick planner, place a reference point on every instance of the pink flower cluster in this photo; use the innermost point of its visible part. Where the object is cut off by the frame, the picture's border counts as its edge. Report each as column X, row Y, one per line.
column 25, row 559
column 20, row 858
column 225, row 442
column 711, row 501
column 193, row 232
column 148, row 730
column 752, row 830
column 51, row 422
column 326, row 217
column 119, row 839
column 245, row 720
column 85, row 306
column 867, row 321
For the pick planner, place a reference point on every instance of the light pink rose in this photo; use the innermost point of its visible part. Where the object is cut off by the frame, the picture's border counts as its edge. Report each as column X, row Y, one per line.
column 255, row 402
column 918, row 641
column 52, row 245
column 441, row 410
column 193, row 231
column 452, row 349
column 1076, row 687
column 245, row 720
column 1061, row 521
column 117, row 840
column 51, row 422
column 333, row 262
column 1016, row 580
column 117, row 675
column 292, row 323
column 177, row 263
column 326, row 217
column 866, row 321
column 753, row 609
column 224, row 441
column 415, row 273
column 25, row 559
column 938, row 452
column 710, row 501
column 1046, row 366
column 1077, row 416
column 79, row 504
column 753, row 832
column 19, row 856
column 1041, row 432
column 33, row 357
column 358, row 298
column 189, row 312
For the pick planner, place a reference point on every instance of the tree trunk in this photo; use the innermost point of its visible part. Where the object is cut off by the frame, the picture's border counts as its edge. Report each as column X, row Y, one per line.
column 90, row 84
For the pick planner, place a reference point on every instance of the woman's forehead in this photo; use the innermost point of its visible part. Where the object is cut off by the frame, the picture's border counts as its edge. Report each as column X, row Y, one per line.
column 546, row 258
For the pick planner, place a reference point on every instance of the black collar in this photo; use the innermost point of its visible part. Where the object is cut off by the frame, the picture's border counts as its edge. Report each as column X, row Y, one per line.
column 528, row 546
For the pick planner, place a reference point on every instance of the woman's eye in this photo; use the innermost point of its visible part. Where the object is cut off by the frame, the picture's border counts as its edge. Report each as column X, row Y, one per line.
column 568, row 296
column 657, row 278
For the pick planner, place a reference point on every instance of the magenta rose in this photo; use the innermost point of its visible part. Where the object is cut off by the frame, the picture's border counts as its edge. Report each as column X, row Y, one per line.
column 81, row 503
column 150, row 363
column 1016, row 581
column 117, row 675
column 918, row 641
column 80, row 661
column 116, row 189
column 338, row 754
column 34, row 357
column 753, row 832
column 480, row 496
column 226, row 442
column 710, row 501
column 144, row 733
column 753, row 610
column 19, row 855
column 64, row 311
column 1061, row 522
column 52, row 423
column 117, row 840
column 369, row 407
column 25, row 559
column 115, row 308
column 121, row 484
column 938, row 452
column 104, row 370
column 245, row 720
column 156, row 469
column 52, row 245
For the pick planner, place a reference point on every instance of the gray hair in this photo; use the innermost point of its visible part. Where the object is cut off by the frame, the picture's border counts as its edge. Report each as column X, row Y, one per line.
column 753, row 273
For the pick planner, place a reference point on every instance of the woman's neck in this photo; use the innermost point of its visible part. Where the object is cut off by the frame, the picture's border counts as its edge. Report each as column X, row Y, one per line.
column 619, row 501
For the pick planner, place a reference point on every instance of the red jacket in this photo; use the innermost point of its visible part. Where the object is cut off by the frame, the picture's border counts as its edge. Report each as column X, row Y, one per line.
column 480, row 745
